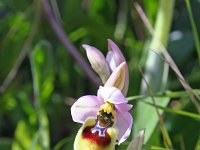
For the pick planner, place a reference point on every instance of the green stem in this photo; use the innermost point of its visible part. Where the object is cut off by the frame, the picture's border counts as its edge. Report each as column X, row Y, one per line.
column 121, row 20
column 175, row 111
column 155, row 69
column 194, row 28
column 169, row 94
column 44, row 129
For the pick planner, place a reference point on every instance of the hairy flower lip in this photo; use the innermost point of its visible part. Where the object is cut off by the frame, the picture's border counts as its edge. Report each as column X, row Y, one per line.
column 102, row 141
column 92, row 141
column 98, row 128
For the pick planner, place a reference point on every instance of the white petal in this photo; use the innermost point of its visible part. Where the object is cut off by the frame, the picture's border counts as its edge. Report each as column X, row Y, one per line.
column 111, row 94
column 124, row 124
column 122, row 108
column 111, row 60
column 84, row 107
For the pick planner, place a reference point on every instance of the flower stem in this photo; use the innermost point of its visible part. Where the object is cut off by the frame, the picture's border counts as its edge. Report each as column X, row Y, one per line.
column 194, row 28
column 59, row 32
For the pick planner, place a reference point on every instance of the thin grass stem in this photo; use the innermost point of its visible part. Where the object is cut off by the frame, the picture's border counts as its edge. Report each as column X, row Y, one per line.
column 194, row 28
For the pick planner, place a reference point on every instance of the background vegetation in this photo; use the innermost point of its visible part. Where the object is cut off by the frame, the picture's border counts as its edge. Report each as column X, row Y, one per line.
column 40, row 79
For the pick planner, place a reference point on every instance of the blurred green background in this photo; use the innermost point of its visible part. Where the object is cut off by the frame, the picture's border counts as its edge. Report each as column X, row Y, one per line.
column 40, row 80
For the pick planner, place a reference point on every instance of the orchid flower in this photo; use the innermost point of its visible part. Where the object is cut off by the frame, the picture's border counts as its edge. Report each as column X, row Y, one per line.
column 105, row 116
column 109, row 113
column 104, row 66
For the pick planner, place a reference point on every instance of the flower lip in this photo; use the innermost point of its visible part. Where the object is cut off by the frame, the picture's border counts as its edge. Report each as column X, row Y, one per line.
column 102, row 141
column 105, row 119
column 100, row 129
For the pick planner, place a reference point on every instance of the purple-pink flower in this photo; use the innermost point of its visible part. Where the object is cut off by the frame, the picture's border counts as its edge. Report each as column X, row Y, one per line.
column 109, row 108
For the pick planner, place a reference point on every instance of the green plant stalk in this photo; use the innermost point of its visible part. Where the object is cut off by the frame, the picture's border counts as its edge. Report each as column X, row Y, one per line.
column 35, row 141
column 169, row 94
column 44, row 129
column 175, row 111
column 156, row 71
column 42, row 116
column 121, row 20
column 154, row 67
column 194, row 28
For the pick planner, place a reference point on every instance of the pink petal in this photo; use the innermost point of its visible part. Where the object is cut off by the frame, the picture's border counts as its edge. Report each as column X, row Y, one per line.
column 116, row 55
column 122, row 108
column 117, row 78
column 84, row 107
column 111, row 60
column 124, row 125
column 115, row 58
column 126, row 84
column 98, row 62
column 111, row 94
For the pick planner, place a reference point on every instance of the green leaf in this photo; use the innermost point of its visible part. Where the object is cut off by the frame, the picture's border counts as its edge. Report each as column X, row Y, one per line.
column 24, row 137
column 194, row 28
column 43, row 77
column 147, row 117
column 44, row 129
column 43, row 71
